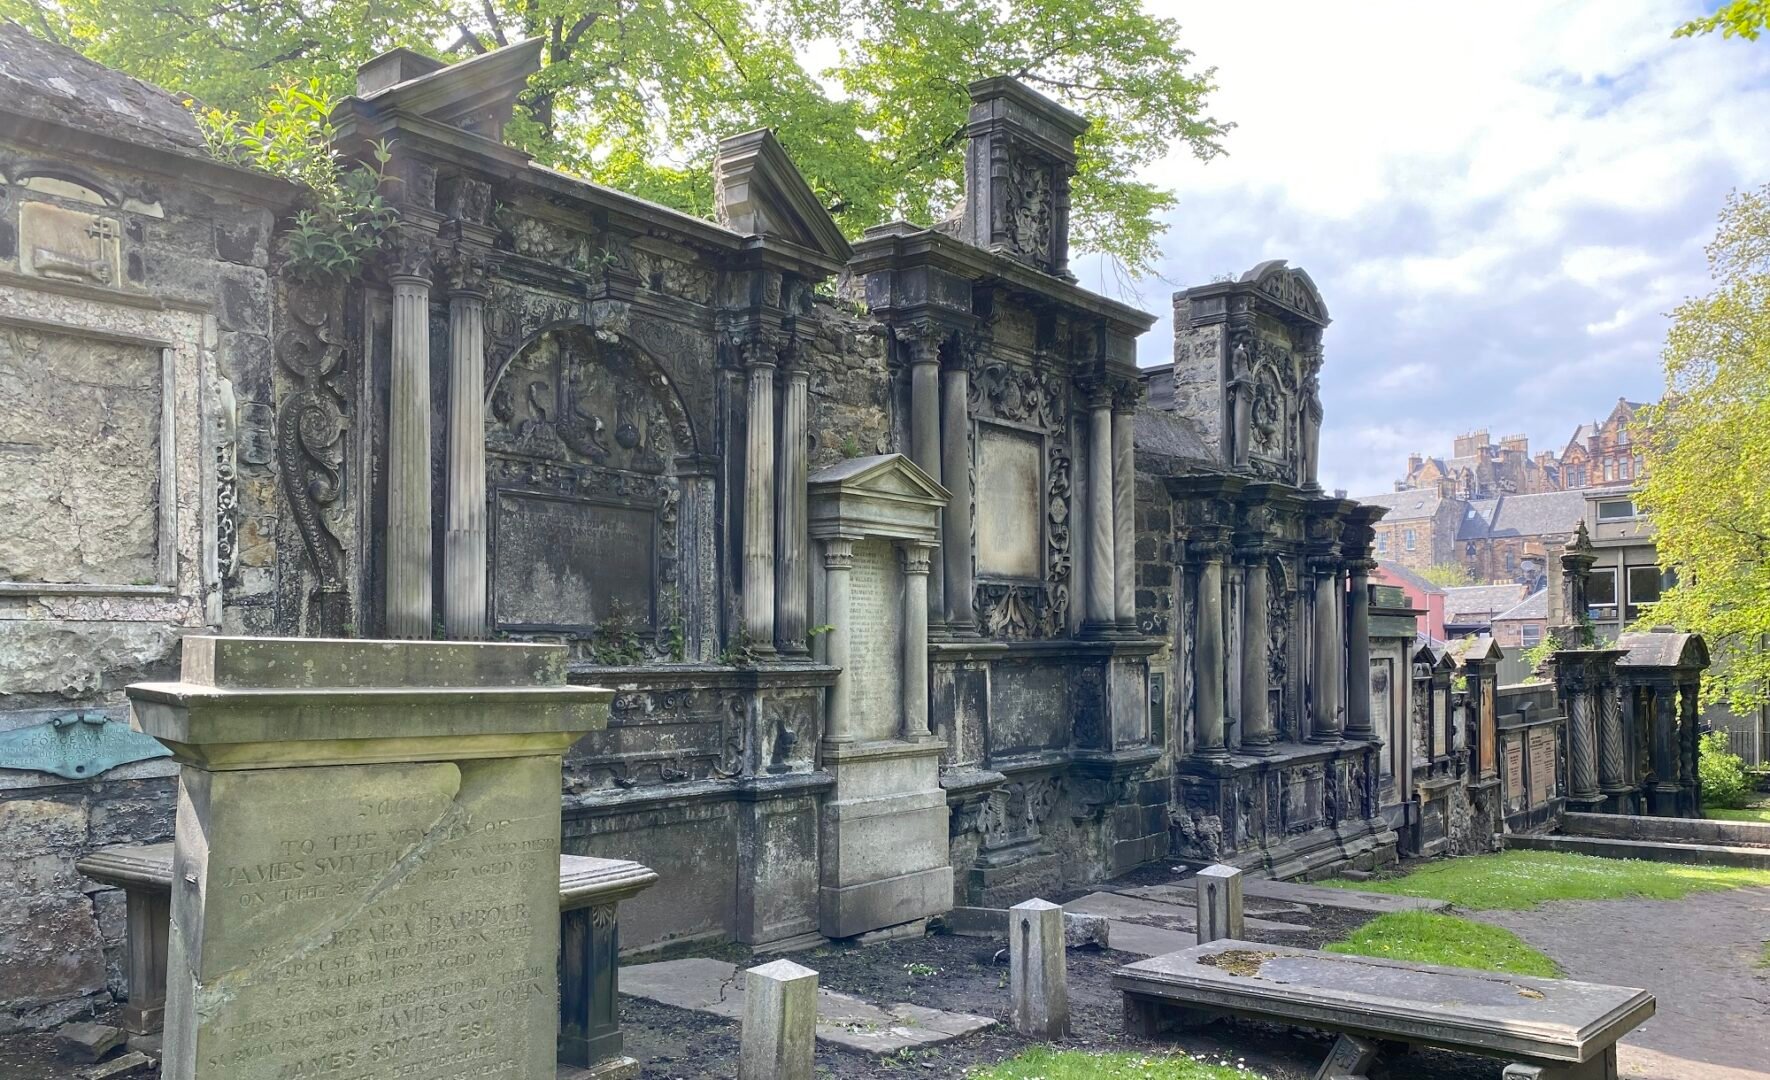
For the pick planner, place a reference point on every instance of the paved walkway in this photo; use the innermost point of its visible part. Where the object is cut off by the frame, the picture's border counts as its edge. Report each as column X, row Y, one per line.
column 1699, row 956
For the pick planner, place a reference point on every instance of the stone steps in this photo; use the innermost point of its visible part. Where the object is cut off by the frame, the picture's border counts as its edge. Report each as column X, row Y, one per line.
column 1755, row 858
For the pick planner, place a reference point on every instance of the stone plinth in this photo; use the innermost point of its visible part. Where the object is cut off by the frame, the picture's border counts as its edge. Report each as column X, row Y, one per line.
column 1038, row 970
column 883, row 832
column 1219, row 903
column 366, row 855
column 780, row 1022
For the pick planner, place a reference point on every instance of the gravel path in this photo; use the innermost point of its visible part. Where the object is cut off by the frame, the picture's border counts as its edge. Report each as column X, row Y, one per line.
column 1699, row 956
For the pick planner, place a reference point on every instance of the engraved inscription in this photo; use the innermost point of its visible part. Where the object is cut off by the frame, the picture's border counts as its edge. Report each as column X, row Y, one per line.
column 1542, row 765
column 377, row 922
column 1515, row 793
column 1009, row 503
column 573, row 563
column 875, row 614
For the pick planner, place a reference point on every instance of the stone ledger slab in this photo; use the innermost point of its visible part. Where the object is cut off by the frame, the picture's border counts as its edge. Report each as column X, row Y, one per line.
column 355, row 914
column 717, row 988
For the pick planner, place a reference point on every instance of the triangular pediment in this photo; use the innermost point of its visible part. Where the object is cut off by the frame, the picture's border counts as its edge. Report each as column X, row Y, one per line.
column 880, row 474
column 758, row 191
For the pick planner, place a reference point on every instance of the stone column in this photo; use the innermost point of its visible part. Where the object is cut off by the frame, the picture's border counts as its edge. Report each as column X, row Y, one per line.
column 1613, row 779
column 791, row 585
column 1582, row 751
column 915, row 640
column 759, row 465
column 1662, row 720
column 955, row 520
column 1358, row 653
column 925, row 434
column 1327, row 658
column 464, row 544
column 408, row 608
column 1102, row 529
column 838, row 565
column 1257, row 735
column 1207, row 653
column 1124, row 511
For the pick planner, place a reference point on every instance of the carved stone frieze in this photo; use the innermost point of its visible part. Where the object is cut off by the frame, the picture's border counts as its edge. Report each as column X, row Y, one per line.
column 1029, row 215
column 311, row 421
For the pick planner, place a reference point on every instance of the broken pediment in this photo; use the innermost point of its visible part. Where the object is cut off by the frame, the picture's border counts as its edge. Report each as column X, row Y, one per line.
column 758, row 191
column 476, row 95
column 1290, row 288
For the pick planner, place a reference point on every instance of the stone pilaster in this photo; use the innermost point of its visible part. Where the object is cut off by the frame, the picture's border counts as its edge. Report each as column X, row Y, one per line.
column 955, row 520
column 1662, row 721
column 1209, row 697
column 1358, row 652
column 464, row 542
column 1257, row 735
column 791, row 583
column 759, row 468
column 915, row 558
column 408, row 602
column 838, row 573
column 925, row 430
column 1124, row 507
column 1327, row 659
column 1102, row 611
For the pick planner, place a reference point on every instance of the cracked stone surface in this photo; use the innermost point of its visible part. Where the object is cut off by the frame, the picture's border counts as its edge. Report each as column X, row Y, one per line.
column 716, row 987
column 1149, row 927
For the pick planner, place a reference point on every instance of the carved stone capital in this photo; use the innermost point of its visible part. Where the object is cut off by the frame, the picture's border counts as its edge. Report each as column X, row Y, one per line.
column 915, row 558
column 1126, row 394
column 839, row 554
column 412, row 255
column 468, row 266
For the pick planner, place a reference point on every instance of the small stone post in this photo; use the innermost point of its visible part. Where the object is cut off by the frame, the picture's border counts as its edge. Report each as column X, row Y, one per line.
column 1219, row 903
column 1038, row 972
column 780, row 1022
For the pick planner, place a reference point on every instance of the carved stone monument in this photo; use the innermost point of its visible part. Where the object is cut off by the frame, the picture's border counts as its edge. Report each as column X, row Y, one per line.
column 365, row 870
column 884, row 830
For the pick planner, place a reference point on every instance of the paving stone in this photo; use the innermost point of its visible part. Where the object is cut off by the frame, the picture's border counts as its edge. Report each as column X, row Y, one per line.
column 1323, row 896
column 134, row 1063
column 91, row 1042
column 716, row 987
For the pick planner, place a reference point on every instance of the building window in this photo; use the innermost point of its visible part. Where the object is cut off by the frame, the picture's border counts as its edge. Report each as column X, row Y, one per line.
column 1530, row 634
column 1511, row 560
column 1407, row 539
column 1646, row 583
column 1616, row 510
column 1601, row 596
column 1383, row 544
column 1609, row 471
column 1625, row 468
column 1640, row 466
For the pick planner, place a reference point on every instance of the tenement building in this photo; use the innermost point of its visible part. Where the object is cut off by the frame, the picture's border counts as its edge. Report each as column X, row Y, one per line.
column 906, row 600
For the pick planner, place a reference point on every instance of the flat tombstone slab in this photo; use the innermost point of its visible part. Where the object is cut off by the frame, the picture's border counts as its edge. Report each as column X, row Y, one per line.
column 355, row 917
column 1514, row 1016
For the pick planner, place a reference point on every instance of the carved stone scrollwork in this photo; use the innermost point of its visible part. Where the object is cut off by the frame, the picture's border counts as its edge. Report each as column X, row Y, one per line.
column 227, row 480
column 1030, row 214
column 311, row 421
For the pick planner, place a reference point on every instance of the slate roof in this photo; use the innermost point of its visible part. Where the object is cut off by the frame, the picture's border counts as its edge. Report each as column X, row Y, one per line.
column 1413, row 505
column 1160, row 431
column 1537, row 515
column 1413, row 580
column 1534, row 606
column 1479, row 603
column 1477, row 520
column 54, row 83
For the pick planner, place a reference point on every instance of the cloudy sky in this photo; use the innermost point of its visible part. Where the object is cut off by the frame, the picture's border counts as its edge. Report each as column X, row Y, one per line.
column 1499, row 202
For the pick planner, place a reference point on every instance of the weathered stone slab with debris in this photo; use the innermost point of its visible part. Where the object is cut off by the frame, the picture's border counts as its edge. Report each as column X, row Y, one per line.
column 717, row 988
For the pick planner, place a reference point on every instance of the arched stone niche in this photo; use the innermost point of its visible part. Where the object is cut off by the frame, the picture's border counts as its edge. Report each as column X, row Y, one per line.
column 600, row 504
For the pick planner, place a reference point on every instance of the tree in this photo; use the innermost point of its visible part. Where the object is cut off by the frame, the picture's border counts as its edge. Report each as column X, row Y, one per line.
column 1708, row 453
column 1448, row 575
column 635, row 93
column 1736, row 18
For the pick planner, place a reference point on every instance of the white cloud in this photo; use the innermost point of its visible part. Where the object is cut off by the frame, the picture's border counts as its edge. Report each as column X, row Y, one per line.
column 1499, row 204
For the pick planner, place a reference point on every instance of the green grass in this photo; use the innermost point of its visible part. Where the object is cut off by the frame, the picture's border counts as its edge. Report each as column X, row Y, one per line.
column 1426, row 937
column 1519, row 880
column 1750, row 813
column 1041, row 1063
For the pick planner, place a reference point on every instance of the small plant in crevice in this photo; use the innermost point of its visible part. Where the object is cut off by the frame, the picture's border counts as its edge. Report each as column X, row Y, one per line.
column 347, row 218
column 616, row 642
column 740, row 648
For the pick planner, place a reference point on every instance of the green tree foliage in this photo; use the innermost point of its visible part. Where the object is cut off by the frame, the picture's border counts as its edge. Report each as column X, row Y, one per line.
column 1448, row 575
column 1708, row 451
column 868, row 95
column 1735, row 18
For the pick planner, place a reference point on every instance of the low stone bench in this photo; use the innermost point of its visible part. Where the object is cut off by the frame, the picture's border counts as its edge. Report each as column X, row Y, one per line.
column 589, row 945
column 1557, row 1029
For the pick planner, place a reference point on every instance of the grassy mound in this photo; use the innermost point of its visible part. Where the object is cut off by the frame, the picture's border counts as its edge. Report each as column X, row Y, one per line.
column 1041, row 1063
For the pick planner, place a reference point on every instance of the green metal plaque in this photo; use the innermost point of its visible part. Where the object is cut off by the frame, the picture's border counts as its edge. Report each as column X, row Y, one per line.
column 77, row 746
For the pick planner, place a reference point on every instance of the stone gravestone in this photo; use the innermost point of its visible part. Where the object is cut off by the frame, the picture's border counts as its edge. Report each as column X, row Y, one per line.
column 365, row 877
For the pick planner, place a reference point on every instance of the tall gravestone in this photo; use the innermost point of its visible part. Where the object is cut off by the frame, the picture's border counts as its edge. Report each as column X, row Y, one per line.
column 366, row 871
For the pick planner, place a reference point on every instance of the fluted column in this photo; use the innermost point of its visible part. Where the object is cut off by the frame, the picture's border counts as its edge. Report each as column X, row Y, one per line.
column 1124, row 510
column 955, row 520
column 1102, row 529
column 791, row 583
column 838, row 568
column 408, row 609
column 1327, row 659
column 915, row 640
column 925, row 432
column 1257, row 735
column 1358, row 653
column 759, row 466
column 464, row 542
column 1207, row 653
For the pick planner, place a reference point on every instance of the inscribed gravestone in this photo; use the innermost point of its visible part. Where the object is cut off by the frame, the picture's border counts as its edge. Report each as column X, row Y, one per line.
column 572, row 562
column 366, row 865
column 1542, row 765
column 875, row 615
column 1010, row 503
column 1516, row 796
